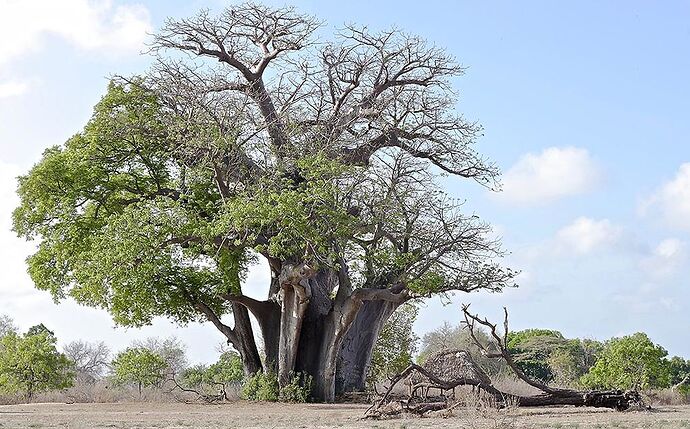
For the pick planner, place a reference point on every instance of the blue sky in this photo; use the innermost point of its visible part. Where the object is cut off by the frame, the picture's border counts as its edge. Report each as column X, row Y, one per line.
column 585, row 109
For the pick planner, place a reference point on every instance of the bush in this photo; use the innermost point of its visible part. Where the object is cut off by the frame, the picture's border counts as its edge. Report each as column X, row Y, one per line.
column 227, row 371
column 261, row 387
column 264, row 387
column 631, row 362
column 298, row 390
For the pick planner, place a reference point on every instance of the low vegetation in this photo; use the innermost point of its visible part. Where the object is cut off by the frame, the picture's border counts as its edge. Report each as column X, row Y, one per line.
column 31, row 364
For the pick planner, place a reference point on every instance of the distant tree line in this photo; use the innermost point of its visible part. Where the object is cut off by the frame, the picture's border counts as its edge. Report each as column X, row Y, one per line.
column 628, row 362
column 31, row 363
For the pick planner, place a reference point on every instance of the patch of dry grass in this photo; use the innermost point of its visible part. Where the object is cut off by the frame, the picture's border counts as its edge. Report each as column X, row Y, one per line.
column 347, row 416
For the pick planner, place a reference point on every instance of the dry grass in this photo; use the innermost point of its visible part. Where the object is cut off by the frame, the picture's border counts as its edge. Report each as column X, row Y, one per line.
column 347, row 416
column 104, row 392
column 515, row 386
column 666, row 397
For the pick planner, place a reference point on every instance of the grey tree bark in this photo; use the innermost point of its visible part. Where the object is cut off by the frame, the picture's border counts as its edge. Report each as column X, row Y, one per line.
column 358, row 345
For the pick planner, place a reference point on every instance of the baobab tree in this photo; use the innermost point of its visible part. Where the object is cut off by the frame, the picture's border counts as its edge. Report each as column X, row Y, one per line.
column 247, row 139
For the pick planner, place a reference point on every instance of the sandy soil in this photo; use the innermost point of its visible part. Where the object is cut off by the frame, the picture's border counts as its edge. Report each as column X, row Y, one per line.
column 269, row 415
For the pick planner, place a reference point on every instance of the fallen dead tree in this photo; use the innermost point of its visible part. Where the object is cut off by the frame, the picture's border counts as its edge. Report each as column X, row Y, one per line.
column 449, row 365
column 209, row 398
column 614, row 399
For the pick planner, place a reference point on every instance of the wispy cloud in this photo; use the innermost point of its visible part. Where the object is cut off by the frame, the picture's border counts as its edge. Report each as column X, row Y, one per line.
column 586, row 234
column 552, row 174
column 672, row 200
column 13, row 88
column 95, row 26
column 666, row 259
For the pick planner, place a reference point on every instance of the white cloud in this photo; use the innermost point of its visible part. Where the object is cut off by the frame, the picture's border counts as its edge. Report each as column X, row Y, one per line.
column 672, row 200
column 94, row 26
column 13, row 88
column 669, row 248
column 586, row 234
column 666, row 258
column 552, row 174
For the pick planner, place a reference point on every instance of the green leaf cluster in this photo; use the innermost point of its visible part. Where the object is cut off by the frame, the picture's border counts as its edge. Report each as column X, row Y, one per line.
column 679, row 370
column 548, row 356
column 299, row 213
column 261, row 387
column 122, row 225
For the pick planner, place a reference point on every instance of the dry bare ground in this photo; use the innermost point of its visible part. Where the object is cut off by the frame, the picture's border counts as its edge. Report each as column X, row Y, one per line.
column 270, row 415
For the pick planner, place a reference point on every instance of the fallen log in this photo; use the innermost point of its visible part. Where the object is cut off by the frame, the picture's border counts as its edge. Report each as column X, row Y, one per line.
column 614, row 399
column 550, row 396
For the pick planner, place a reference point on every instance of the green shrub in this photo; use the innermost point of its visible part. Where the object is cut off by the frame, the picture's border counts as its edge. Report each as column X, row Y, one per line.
column 139, row 366
column 261, row 387
column 228, row 369
column 207, row 379
column 298, row 390
column 264, row 387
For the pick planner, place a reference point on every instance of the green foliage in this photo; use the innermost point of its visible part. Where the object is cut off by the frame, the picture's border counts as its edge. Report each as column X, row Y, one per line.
column 395, row 345
column 297, row 390
column 261, row 387
column 194, row 376
column 630, row 362
column 679, row 368
column 105, row 207
column 227, row 370
column 532, row 349
column 40, row 329
column 294, row 216
column 679, row 371
column 170, row 349
column 548, row 356
column 30, row 364
column 264, row 387
column 139, row 366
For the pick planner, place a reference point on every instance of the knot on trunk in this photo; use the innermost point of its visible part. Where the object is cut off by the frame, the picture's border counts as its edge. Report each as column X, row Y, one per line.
column 293, row 275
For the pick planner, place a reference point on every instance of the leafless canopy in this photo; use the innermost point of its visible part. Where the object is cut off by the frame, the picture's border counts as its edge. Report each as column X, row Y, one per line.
column 259, row 72
column 91, row 360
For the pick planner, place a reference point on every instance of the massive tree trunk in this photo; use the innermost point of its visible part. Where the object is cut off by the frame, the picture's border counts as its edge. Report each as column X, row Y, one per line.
column 305, row 327
column 347, row 307
column 358, row 345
